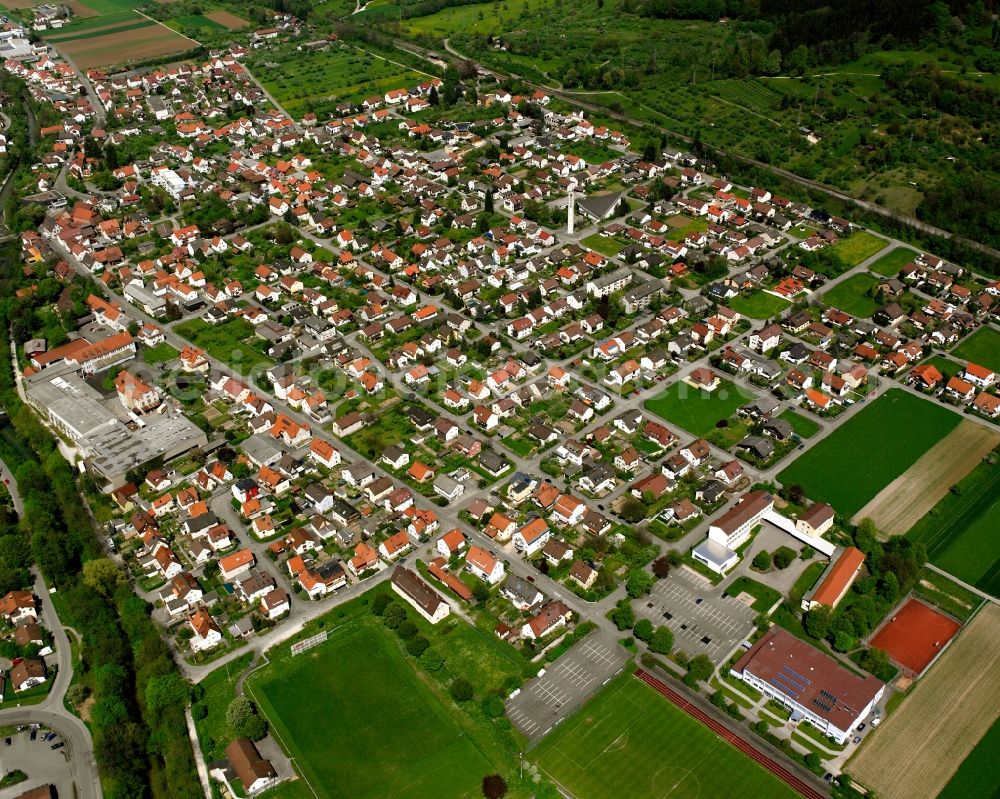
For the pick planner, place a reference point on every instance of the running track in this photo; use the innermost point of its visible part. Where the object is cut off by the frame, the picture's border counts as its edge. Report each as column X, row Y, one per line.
column 730, row 737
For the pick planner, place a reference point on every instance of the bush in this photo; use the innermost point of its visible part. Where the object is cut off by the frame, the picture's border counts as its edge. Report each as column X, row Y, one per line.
column 812, row 761
column 379, row 603
column 199, row 711
column 639, row 583
column 432, row 660
column 783, row 557
column 417, row 645
column 494, row 786
column 460, row 689
column 406, row 630
column 700, row 668
column 394, row 615
column 762, row 560
column 241, row 716
column 643, row 630
column 493, row 707
column 623, row 616
column 662, row 641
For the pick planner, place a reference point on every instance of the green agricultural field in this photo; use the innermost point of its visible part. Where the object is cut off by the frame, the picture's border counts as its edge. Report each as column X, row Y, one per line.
column 341, row 73
column 858, row 247
column 759, row 305
column 803, row 426
column 360, row 722
column 231, row 342
column 630, row 741
column 851, row 295
column 982, row 347
column 978, row 777
column 960, row 532
column 890, row 263
column 88, row 24
column 698, row 411
column 862, row 456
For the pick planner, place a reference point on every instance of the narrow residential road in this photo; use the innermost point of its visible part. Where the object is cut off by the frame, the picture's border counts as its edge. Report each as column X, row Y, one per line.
column 51, row 712
column 11, row 485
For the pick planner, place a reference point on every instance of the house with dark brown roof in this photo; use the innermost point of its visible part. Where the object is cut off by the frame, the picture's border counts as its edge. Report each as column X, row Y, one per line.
column 253, row 771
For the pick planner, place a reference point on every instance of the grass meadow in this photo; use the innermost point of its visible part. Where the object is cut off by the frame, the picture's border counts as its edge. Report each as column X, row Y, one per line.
column 698, row 411
column 862, row 456
column 982, row 347
column 858, row 247
column 759, row 305
column 851, row 295
column 890, row 263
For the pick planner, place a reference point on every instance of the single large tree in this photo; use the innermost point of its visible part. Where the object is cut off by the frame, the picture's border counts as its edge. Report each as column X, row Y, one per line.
column 494, row 786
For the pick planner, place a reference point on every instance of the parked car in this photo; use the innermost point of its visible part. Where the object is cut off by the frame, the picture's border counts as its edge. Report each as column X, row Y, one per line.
column 59, row 745
column 857, row 739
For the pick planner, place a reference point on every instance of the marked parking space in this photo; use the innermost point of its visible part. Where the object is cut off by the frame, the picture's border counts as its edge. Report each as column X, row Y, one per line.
column 581, row 671
column 700, row 621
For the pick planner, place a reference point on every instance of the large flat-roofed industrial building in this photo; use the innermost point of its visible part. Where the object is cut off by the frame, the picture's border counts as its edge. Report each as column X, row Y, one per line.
column 112, row 443
column 810, row 684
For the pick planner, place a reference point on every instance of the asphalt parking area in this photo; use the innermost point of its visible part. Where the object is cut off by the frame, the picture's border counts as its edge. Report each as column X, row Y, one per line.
column 37, row 759
column 546, row 700
column 701, row 620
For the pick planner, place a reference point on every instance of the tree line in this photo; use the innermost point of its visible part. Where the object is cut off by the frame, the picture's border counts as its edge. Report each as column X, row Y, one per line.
column 137, row 717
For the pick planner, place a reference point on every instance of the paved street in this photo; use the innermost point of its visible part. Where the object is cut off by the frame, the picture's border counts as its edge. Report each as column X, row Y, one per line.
column 51, row 712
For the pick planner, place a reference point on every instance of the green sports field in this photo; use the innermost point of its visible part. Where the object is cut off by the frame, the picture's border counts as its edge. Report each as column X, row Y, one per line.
column 960, row 532
column 360, row 723
column 978, row 777
column 629, row 741
column 982, row 347
column 862, row 456
column 698, row 411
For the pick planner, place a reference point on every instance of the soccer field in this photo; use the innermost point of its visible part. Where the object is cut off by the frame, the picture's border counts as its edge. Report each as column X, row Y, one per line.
column 866, row 453
column 628, row 741
column 359, row 723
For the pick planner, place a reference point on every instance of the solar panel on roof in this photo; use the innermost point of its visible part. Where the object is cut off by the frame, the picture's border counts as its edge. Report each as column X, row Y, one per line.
column 821, row 704
column 787, row 686
column 794, row 673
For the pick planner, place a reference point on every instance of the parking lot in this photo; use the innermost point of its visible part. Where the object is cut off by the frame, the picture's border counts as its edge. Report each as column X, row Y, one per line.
column 701, row 619
column 37, row 759
column 566, row 685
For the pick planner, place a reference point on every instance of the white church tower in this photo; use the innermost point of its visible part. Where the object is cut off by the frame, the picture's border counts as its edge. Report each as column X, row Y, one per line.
column 571, row 215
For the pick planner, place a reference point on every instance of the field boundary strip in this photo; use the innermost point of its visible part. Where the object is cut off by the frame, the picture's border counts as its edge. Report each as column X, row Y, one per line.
column 730, row 737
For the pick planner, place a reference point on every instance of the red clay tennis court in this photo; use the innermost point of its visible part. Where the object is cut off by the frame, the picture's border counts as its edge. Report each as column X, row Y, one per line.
column 914, row 635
